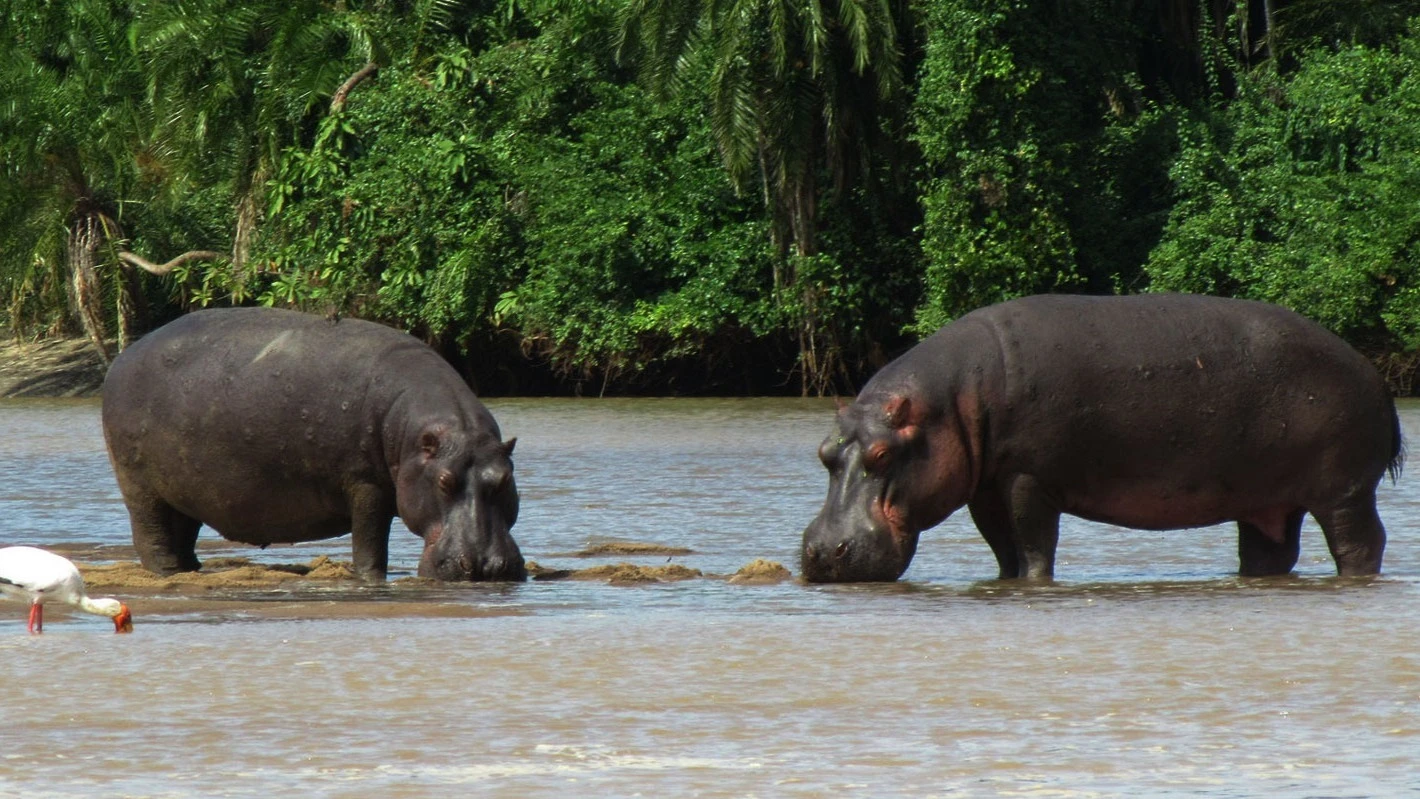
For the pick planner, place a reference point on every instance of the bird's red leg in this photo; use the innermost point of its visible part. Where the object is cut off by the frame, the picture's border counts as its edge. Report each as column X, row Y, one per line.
column 36, row 618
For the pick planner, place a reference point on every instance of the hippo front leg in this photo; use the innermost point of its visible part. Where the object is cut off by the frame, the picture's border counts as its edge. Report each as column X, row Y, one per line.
column 370, row 519
column 165, row 539
column 1264, row 555
column 1036, row 523
column 993, row 521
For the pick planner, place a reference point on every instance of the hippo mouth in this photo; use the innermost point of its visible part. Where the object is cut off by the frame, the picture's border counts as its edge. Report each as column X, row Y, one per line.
column 878, row 549
column 871, row 555
column 843, row 565
column 464, row 567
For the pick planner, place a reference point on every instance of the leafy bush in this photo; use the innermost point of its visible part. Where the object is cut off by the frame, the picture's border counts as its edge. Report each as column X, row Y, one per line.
column 1043, row 155
column 1301, row 191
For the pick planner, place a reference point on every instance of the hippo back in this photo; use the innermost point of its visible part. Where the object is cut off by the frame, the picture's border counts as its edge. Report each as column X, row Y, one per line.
column 267, row 404
column 1198, row 389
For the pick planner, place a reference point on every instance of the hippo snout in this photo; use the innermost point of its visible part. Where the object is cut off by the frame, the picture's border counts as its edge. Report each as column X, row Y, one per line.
column 465, row 569
column 456, row 563
column 819, row 565
column 506, row 570
column 862, row 557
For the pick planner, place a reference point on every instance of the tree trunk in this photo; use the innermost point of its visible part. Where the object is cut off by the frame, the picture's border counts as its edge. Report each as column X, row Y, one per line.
column 133, row 319
column 1267, row 26
column 85, row 236
column 241, row 238
column 337, row 100
column 818, row 347
column 778, row 228
column 132, row 305
column 134, row 259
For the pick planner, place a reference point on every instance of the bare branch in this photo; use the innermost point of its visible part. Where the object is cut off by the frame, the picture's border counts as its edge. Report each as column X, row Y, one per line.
column 162, row 269
column 337, row 100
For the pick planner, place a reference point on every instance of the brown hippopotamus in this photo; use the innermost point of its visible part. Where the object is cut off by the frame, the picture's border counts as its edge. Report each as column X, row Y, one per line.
column 1158, row 411
column 273, row 426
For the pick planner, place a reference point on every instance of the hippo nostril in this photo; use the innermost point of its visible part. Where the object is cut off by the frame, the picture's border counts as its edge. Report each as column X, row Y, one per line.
column 841, row 551
column 505, row 569
column 809, row 552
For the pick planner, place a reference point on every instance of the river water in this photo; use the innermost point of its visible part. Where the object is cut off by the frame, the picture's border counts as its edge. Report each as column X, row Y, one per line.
column 1147, row 668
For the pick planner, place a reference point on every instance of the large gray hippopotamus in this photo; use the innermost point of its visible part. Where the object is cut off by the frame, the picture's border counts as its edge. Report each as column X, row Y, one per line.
column 273, row 426
column 1154, row 412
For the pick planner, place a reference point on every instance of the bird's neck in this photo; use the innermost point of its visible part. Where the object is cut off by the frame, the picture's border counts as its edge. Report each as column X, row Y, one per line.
column 98, row 608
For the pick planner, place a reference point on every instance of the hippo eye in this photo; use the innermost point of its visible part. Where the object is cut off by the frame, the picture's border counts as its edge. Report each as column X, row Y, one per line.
column 448, row 483
column 877, row 456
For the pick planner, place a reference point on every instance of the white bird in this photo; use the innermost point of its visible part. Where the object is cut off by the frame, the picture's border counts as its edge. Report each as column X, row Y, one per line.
column 37, row 576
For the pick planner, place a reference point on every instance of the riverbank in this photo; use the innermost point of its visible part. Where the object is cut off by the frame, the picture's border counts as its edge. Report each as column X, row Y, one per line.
column 67, row 367
column 70, row 367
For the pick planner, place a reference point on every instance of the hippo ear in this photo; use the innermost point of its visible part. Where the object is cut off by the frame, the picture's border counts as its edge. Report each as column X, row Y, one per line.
column 429, row 443
column 898, row 410
column 508, row 446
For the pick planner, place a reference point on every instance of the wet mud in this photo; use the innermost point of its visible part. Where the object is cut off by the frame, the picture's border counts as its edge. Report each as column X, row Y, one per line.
column 298, row 606
column 757, row 572
column 326, row 588
column 50, row 368
column 624, row 549
column 217, row 574
column 236, row 589
column 231, row 587
column 761, row 572
column 624, row 573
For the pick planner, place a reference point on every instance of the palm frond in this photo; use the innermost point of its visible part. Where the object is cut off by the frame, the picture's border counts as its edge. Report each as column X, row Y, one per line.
column 816, row 40
column 735, row 117
column 854, row 19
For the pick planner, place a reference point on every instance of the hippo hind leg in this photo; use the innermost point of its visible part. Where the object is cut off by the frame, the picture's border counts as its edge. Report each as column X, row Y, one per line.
column 1269, row 547
column 1354, row 534
column 166, row 539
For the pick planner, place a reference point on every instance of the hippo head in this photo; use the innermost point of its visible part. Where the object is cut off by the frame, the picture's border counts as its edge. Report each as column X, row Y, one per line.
column 456, row 490
column 891, row 471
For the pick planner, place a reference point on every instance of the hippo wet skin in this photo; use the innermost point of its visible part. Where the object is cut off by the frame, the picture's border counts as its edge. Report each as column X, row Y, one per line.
column 1151, row 412
column 273, row 426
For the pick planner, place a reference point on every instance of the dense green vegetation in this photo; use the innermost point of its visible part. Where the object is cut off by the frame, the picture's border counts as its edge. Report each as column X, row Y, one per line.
column 704, row 195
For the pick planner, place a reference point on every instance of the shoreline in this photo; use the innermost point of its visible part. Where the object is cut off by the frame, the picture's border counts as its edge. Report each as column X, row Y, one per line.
column 66, row 368
column 50, row 368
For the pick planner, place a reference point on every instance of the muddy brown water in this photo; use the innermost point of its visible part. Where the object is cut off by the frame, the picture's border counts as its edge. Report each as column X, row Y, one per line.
column 1145, row 669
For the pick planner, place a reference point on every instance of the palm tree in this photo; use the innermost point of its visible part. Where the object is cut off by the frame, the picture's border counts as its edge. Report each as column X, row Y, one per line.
column 235, row 82
column 108, row 102
column 797, row 94
column 74, row 123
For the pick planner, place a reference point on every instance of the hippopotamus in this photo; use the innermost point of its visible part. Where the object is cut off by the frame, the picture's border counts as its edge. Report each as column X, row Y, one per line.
column 274, row 426
column 1154, row 412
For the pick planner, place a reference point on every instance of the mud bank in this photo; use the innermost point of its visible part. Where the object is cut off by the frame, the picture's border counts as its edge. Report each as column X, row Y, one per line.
column 231, row 587
column 50, row 368
column 224, row 574
column 216, row 574
column 616, row 573
column 601, row 549
column 761, row 572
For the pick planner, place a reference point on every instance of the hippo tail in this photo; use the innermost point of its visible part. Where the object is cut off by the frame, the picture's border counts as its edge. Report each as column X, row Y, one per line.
column 1397, row 451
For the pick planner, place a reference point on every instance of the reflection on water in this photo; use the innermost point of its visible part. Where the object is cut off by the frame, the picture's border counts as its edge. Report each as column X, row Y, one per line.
column 1148, row 668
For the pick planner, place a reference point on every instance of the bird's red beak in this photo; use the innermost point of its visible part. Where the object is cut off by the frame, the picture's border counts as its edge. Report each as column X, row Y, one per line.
column 123, row 622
